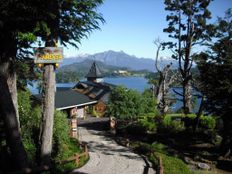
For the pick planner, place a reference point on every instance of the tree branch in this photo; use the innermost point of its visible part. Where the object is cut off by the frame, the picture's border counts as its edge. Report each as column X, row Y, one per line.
column 177, row 92
column 158, row 44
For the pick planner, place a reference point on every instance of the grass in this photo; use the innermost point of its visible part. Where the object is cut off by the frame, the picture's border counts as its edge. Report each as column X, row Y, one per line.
column 172, row 164
column 69, row 150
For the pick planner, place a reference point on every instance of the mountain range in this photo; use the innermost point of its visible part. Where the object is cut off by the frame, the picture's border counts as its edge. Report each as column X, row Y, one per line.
column 119, row 59
column 82, row 68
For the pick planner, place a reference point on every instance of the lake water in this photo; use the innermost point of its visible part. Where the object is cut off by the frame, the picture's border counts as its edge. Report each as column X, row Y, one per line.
column 136, row 83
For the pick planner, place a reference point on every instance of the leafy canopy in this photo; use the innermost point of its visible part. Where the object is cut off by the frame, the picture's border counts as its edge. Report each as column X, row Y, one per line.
column 130, row 104
column 215, row 67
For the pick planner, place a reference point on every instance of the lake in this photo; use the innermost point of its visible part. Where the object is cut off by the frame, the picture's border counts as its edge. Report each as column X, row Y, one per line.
column 136, row 83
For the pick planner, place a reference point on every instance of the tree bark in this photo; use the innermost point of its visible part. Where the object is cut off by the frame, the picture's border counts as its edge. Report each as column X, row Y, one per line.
column 187, row 105
column 199, row 113
column 48, row 104
column 226, row 145
column 12, row 84
column 8, row 114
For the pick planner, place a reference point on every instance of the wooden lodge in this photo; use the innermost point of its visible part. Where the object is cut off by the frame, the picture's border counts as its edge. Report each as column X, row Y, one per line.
column 92, row 93
column 96, row 89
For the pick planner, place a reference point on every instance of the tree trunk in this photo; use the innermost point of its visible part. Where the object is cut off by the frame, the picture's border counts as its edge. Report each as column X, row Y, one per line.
column 162, row 92
column 159, row 88
column 226, row 145
column 187, row 105
column 8, row 113
column 199, row 113
column 12, row 84
column 48, row 104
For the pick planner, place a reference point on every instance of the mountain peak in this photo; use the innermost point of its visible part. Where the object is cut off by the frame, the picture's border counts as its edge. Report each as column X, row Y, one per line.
column 84, row 55
column 120, row 59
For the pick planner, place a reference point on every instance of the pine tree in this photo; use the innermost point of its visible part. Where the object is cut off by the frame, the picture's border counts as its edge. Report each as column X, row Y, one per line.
column 67, row 21
column 215, row 67
column 21, row 23
column 187, row 27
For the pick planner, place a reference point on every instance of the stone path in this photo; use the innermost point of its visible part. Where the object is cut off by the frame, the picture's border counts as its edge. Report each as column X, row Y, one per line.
column 107, row 157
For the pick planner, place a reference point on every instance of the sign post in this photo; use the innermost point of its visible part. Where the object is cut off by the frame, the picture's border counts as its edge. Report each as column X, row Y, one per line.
column 48, row 58
column 48, row 55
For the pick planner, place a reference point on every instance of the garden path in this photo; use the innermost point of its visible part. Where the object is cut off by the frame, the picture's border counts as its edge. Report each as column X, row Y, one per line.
column 107, row 157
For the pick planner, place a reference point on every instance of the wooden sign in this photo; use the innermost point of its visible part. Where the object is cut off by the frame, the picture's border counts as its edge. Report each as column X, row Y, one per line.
column 48, row 55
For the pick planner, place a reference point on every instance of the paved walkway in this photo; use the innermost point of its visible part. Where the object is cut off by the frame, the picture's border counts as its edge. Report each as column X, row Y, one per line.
column 107, row 157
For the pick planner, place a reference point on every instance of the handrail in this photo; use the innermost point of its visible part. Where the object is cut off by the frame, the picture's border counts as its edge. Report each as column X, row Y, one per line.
column 43, row 168
column 77, row 156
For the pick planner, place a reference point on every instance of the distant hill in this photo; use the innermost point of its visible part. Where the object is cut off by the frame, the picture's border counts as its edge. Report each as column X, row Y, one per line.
column 83, row 67
column 120, row 59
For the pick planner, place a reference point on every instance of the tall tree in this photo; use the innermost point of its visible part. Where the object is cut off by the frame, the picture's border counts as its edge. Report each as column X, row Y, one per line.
column 67, row 21
column 20, row 22
column 125, row 103
column 166, row 78
column 187, row 26
column 15, row 23
column 215, row 67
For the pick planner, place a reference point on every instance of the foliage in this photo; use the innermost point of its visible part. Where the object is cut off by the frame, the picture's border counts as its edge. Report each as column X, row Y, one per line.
column 124, row 103
column 30, row 120
column 148, row 122
column 94, row 113
column 172, row 125
column 67, row 76
column 149, row 102
column 215, row 67
column 172, row 165
column 207, row 122
column 25, row 21
column 29, row 117
column 216, row 77
column 63, row 146
column 187, row 26
column 129, row 104
column 26, row 72
column 68, row 21
column 61, row 140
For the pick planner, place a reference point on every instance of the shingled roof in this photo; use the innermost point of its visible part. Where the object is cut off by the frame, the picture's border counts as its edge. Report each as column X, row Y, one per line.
column 96, row 91
column 94, row 72
column 69, row 98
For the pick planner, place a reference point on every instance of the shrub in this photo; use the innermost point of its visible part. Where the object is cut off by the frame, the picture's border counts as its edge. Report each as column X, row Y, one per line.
column 159, row 147
column 127, row 104
column 172, row 165
column 29, row 122
column 148, row 122
column 170, row 125
column 94, row 113
column 30, row 119
column 63, row 146
column 207, row 122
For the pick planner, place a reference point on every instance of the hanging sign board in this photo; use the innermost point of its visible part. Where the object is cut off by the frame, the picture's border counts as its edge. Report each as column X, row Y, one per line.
column 48, row 55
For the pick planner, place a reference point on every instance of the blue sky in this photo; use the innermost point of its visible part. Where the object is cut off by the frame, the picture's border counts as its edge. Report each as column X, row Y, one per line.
column 132, row 26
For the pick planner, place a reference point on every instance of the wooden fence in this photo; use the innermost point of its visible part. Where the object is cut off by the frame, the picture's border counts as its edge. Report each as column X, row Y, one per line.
column 77, row 156
column 44, row 168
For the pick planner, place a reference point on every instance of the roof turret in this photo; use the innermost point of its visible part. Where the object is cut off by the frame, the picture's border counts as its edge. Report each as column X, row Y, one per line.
column 94, row 72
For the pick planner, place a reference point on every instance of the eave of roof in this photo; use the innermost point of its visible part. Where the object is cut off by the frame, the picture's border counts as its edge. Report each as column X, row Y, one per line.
column 65, row 99
column 79, row 105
